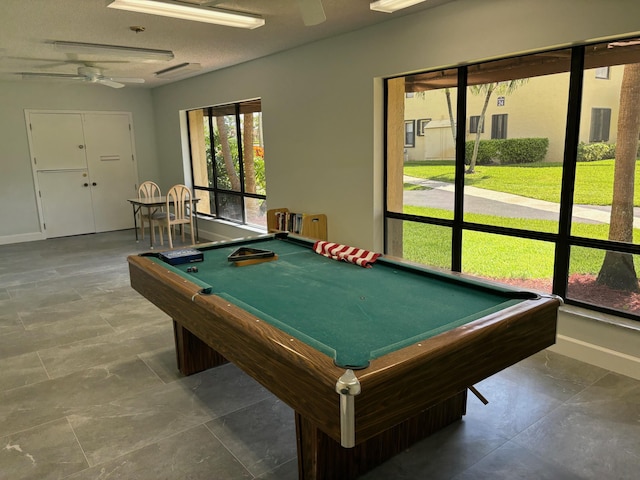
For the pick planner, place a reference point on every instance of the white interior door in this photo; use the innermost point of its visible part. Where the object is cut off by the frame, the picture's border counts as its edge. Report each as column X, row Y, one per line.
column 57, row 141
column 66, row 202
column 112, row 169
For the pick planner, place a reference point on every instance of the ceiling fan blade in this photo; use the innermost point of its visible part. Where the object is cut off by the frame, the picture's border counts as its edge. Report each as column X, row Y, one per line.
column 312, row 12
column 109, row 83
column 125, row 79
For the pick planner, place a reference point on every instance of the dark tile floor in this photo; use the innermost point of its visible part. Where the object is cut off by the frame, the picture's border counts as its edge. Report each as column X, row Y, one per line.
column 89, row 390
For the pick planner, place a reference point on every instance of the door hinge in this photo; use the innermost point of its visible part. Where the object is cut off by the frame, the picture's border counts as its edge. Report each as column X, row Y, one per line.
column 30, row 127
column 44, row 225
column 35, row 161
column 129, row 127
column 39, row 193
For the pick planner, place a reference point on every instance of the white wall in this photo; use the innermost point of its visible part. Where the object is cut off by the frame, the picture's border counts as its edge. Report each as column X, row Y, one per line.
column 19, row 214
column 322, row 110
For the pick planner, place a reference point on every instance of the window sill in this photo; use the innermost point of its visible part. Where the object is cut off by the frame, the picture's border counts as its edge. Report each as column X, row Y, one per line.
column 587, row 314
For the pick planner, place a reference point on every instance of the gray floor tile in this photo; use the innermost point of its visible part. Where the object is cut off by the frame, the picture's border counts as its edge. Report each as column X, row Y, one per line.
column 18, row 341
column 48, row 451
column 596, row 434
column 262, row 436
column 193, row 454
column 111, row 429
column 31, row 405
column 65, row 359
column 443, row 454
column 512, row 462
column 21, row 370
column 513, row 405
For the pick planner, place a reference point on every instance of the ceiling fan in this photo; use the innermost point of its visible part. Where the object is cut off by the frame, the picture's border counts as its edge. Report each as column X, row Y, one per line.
column 86, row 73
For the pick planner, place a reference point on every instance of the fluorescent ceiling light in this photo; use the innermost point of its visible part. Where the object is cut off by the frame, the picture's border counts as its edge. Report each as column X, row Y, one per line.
column 390, row 6
column 143, row 54
column 186, row 12
column 178, row 70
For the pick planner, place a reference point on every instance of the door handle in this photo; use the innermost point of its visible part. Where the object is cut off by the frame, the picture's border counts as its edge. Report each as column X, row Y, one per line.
column 94, row 184
column 80, row 147
column 86, row 185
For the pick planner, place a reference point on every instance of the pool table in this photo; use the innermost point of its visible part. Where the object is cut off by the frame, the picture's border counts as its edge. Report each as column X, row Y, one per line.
column 370, row 359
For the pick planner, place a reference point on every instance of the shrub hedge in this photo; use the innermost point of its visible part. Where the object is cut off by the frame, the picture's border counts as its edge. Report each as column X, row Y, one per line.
column 508, row 151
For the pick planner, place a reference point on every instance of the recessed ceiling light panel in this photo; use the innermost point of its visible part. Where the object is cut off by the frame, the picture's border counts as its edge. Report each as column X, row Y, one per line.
column 187, row 12
column 390, row 6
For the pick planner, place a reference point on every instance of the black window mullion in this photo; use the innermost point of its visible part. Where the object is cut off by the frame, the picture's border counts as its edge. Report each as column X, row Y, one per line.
column 214, row 165
column 240, row 159
column 572, row 138
column 458, row 203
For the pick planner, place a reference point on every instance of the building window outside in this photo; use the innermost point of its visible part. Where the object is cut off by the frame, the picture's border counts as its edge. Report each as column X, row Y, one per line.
column 557, row 226
column 600, row 124
column 410, row 133
column 227, row 162
column 499, row 126
column 474, row 121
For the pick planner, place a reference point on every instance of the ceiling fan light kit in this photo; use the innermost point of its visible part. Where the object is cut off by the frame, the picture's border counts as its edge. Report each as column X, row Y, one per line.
column 141, row 54
column 178, row 70
column 186, row 12
column 390, row 6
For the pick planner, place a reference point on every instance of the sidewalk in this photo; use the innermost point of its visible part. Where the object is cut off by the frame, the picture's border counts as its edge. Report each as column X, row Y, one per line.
column 479, row 200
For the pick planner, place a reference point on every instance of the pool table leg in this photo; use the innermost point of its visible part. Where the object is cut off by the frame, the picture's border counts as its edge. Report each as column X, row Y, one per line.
column 192, row 354
column 322, row 458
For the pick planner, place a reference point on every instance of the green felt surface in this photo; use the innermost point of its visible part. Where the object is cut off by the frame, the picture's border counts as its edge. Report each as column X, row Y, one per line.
column 350, row 313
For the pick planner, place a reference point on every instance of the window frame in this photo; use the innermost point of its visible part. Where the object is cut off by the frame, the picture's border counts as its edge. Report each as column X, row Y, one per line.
column 563, row 240
column 217, row 191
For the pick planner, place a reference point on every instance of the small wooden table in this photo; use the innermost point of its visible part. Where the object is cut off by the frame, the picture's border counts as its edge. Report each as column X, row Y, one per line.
column 153, row 204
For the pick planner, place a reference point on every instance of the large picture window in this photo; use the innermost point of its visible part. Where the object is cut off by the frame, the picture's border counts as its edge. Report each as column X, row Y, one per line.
column 549, row 205
column 227, row 161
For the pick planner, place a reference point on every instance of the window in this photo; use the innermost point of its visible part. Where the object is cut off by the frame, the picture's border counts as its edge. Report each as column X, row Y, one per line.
column 600, row 122
column 544, row 209
column 227, row 161
column 499, row 126
column 410, row 133
column 474, row 121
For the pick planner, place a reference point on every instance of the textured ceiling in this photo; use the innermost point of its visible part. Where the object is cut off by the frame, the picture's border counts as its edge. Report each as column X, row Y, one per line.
column 27, row 28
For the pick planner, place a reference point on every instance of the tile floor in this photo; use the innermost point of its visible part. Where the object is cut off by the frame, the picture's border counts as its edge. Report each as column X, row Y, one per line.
column 89, row 390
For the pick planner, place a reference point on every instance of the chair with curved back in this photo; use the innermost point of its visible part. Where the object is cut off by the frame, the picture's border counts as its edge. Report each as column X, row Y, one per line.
column 180, row 211
column 150, row 189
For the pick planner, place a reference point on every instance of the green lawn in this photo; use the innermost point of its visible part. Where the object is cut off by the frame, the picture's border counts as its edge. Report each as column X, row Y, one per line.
column 594, row 180
column 499, row 256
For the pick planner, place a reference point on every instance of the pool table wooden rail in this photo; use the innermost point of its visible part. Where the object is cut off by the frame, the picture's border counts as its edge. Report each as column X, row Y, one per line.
column 398, row 389
column 285, row 366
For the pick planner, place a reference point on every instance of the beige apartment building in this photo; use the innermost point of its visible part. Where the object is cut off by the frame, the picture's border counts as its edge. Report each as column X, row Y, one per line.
column 536, row 108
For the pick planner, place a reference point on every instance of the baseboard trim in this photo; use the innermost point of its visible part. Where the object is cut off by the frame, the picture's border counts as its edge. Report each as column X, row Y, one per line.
column 23, row 237
column 597, row 355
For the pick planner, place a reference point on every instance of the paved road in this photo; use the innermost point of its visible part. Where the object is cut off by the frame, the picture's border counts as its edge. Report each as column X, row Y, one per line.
column 480, row 200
